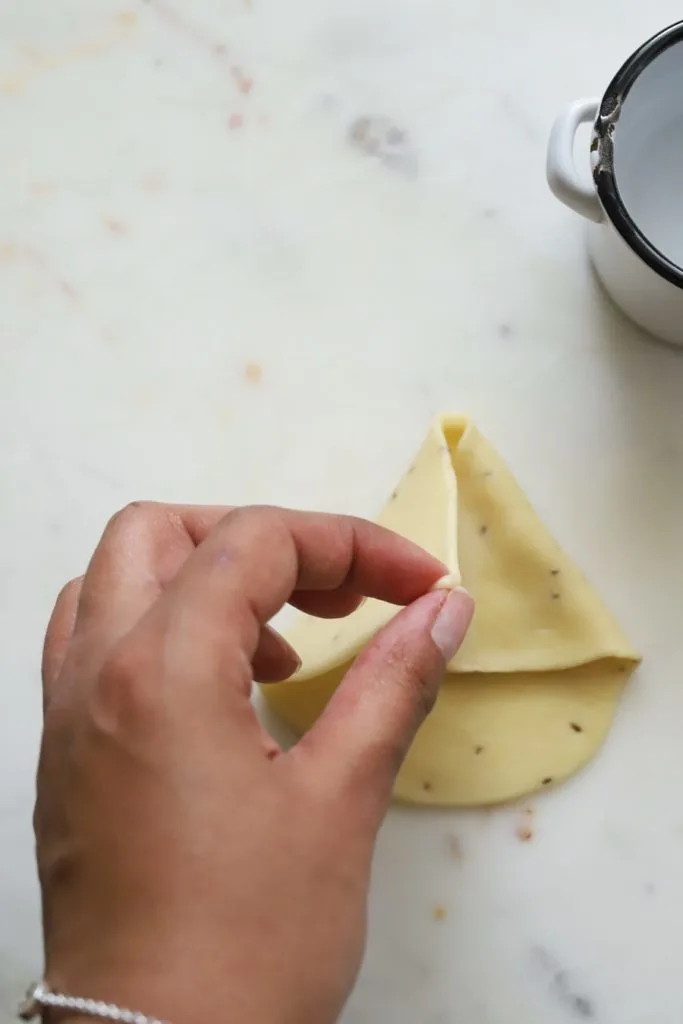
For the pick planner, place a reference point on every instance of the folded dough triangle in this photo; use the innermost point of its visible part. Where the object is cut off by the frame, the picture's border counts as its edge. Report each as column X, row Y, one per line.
column 531, row 694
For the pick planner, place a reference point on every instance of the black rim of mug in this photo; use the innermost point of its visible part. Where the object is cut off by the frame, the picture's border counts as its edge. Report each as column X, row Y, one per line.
column 603, row 173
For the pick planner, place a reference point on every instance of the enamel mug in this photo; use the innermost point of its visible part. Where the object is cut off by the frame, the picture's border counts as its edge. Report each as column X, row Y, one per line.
column 634, row 205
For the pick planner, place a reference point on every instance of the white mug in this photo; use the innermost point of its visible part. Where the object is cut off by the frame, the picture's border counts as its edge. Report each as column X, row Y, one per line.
column 634, row 205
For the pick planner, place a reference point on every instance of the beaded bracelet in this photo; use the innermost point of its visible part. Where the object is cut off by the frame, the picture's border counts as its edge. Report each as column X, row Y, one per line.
column 40, row 996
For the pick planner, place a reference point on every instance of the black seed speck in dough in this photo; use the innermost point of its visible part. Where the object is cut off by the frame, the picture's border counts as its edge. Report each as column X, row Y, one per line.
column 546, row 782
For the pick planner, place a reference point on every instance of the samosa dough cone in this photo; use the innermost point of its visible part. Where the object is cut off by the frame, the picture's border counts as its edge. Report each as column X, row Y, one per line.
column 531, row 694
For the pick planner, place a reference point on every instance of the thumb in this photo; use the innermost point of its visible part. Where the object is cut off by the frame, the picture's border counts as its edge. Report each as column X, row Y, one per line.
column 364, row 733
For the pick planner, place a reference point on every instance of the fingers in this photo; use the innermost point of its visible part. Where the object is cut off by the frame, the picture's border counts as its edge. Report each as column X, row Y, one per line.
column 145, row 545
column 275, row 659
column 226, row 572
column 252, row 563
column 364, row 733
column 326, row 604
column 58, row 635
column 142, row 549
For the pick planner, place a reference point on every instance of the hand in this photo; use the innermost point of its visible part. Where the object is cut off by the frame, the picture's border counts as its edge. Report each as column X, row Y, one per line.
column 190, row 869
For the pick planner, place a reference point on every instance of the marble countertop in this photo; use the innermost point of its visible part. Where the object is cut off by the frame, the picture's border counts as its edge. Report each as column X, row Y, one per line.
column 247, row 249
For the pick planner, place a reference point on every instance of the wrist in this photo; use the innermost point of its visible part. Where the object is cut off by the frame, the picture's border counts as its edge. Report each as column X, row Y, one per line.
column 165, row 1006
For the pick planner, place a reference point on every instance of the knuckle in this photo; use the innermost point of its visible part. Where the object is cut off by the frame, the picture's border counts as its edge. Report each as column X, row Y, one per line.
column 424, row 690
column 130, row 516
column 70, row 589
column 259, row 521
column 265, row 514
column 420, row 697
column 60, row 623
column 419, row 680
column 389, row 751
column 415, row 690
column 343, row 546
column 68, row 593
column 425, row 698
column 123, row 700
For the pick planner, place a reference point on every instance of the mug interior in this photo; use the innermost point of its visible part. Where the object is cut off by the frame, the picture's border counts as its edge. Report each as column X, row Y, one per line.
column 648, row 153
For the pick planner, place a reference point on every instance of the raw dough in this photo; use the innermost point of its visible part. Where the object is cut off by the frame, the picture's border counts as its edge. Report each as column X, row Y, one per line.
column 531, row 694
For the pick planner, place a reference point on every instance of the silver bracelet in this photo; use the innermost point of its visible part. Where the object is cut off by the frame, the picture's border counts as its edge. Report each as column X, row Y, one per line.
column 40, row 996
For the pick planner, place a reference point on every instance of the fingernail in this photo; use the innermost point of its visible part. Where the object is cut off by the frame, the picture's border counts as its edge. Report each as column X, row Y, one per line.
column 450, row 625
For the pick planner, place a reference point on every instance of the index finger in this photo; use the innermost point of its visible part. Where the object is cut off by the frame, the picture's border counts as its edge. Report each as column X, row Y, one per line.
column 252, row 562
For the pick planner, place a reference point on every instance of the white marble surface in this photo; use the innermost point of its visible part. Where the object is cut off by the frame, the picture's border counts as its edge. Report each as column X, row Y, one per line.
column 209, row 293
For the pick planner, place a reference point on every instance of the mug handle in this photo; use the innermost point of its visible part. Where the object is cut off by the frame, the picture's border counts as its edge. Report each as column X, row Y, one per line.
column 560, row 168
